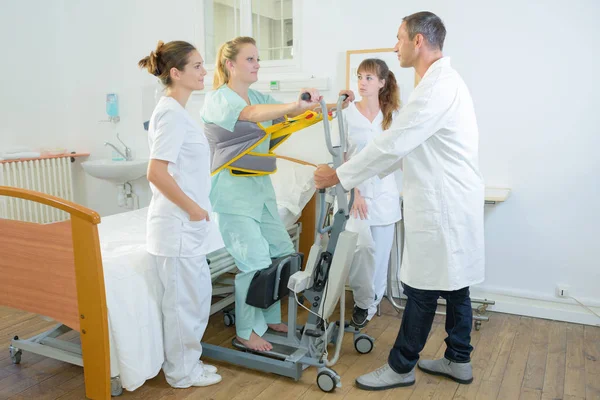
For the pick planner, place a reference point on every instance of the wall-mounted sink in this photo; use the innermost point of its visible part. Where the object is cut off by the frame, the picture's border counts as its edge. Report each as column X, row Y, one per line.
column 117, row 172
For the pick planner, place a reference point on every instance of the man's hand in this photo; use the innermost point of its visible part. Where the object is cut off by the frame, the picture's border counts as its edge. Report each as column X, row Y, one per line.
column 325, row 177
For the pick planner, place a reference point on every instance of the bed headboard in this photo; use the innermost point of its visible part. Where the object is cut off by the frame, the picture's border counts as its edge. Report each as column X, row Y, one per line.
column 55, row 270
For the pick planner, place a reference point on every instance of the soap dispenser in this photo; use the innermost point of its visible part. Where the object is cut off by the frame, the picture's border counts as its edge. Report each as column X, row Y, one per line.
column 112, row 107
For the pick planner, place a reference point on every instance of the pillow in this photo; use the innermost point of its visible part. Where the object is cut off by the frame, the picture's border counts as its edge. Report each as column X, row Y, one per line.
column 294, row 185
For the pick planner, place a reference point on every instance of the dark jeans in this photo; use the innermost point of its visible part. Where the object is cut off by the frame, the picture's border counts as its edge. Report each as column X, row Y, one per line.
column 416, row 325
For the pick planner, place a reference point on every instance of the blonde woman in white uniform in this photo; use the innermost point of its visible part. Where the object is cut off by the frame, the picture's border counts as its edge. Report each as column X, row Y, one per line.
column 179, row 229
column 376, row 206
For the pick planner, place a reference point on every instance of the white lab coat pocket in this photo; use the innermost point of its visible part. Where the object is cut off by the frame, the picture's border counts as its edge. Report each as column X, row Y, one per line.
column 423, row 211
column 197, row 225
column 193, row 238
column 163, row 236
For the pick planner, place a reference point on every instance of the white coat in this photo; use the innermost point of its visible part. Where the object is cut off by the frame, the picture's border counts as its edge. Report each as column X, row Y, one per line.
column 436, row 139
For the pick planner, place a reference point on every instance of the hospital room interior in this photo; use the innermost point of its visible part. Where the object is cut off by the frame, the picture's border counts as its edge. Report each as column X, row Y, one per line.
column 82, row 304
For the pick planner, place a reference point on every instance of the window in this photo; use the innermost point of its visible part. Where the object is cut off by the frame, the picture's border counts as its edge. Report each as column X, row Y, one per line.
column 273, row 28
column 270, row 22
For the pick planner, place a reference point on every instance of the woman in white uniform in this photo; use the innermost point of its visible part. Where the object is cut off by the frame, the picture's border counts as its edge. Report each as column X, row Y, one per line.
column 178, row 227
column 376, row 206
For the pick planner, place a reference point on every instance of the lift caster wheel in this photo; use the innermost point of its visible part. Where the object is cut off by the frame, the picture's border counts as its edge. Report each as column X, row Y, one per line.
column 327, row 381
column 15, row 354
column 229, row 319
column 116, row 389
column 363, row 344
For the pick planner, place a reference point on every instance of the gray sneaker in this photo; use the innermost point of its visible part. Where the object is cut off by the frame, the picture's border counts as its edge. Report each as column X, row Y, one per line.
column 459, row 372
column 385, row 378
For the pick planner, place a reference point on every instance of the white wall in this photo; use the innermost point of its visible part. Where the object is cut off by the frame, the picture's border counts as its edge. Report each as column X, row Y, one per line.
column 531, row 70
column 31, row 74
column 530, row 67
column 60, row 63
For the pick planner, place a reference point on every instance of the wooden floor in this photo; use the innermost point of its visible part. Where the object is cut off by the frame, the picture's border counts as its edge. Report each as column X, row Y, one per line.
column 514, row 358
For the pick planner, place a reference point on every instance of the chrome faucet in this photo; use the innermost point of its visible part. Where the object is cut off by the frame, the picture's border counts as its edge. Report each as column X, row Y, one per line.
column 127, row 156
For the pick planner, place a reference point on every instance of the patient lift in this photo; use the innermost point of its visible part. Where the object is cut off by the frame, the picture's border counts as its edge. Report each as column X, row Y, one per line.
column 321, row 284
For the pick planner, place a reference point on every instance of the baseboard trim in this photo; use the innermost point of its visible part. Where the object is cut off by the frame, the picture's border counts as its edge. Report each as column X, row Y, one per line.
column 567, row 310
column 534, row 305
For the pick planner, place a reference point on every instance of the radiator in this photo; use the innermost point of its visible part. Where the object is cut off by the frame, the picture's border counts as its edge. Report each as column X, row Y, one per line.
column 47, row 175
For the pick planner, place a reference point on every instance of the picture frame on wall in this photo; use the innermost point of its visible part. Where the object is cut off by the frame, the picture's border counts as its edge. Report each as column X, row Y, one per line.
column 406, row 77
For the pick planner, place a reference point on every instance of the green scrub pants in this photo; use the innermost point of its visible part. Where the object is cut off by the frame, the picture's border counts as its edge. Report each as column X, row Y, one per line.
column 252, row 244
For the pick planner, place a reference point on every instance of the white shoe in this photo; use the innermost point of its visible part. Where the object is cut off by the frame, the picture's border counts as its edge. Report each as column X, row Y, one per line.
column 459, row 372
column 385, row 378
column 210, row 369
column 207, row 379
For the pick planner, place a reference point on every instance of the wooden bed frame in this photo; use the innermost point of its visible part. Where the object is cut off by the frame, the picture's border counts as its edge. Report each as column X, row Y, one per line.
column 55, row 270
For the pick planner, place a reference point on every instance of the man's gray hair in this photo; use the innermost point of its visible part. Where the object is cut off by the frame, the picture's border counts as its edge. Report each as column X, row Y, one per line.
column 427, row 24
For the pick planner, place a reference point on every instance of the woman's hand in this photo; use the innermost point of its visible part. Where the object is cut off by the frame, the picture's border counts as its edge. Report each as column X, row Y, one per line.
column 315, row 99
column 350, row 98
column 199, row 214
column 359, row 206
column 158, row 175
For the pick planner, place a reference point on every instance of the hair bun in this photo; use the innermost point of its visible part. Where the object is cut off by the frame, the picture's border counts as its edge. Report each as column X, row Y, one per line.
column 153, row 64
column 154, row 70
column 165, row 57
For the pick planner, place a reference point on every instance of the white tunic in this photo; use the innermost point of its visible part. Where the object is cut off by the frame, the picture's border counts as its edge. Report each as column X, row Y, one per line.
column 436, row 139
column 381, row 194
column 175, row 137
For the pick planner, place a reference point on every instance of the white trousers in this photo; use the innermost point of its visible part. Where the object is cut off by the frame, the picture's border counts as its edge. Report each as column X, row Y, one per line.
column 368, row 273
column 185, row 310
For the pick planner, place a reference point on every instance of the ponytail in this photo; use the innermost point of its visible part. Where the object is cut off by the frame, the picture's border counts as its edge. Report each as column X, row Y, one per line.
column 228, row 51
column 221, row 75
column 389, row 100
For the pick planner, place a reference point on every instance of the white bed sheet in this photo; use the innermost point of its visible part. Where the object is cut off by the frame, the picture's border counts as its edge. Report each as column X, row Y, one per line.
column 133, row 293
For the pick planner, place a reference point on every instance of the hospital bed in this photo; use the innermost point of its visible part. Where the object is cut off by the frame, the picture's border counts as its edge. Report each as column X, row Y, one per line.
column 106, row 287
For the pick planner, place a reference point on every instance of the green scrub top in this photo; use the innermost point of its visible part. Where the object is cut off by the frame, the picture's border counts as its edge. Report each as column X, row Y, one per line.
column 239, row 195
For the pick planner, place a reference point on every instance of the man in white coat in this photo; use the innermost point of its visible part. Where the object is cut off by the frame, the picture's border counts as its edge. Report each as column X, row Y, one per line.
column 435, row 139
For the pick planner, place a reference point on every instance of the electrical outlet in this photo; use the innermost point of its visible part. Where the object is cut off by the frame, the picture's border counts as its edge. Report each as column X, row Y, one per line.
column 562, row 291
